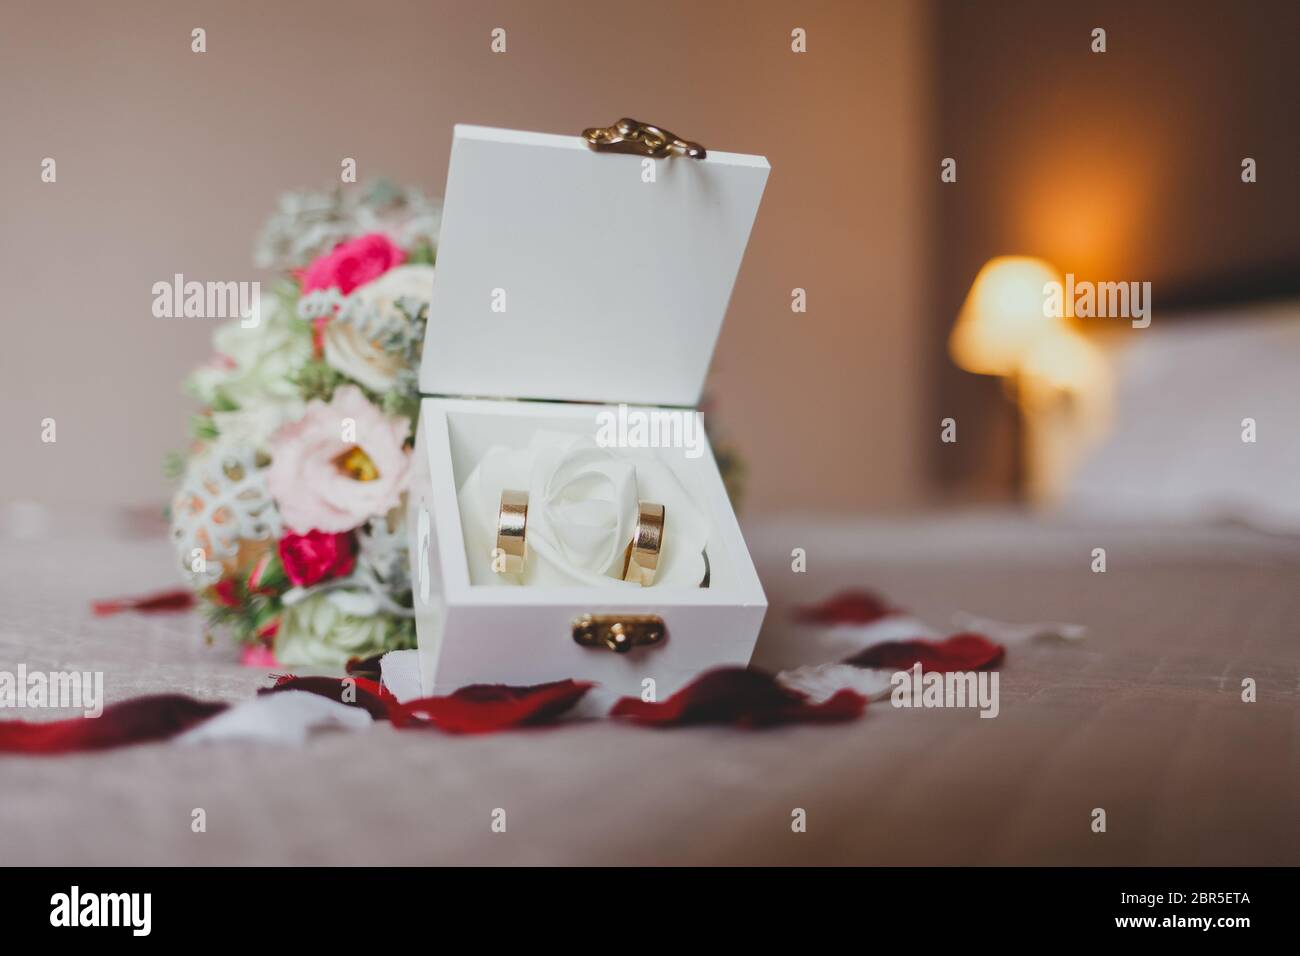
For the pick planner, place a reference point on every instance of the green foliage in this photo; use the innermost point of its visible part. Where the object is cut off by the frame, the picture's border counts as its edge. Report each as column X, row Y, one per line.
column 239, row 622
column 173, row 465
column 221, row 402
column 404, row 402
column 254, row 611
column 203, row 428
column 403, row 634
column 287, row 293
column 732, row 468
column 422, row 254
column 316, row 379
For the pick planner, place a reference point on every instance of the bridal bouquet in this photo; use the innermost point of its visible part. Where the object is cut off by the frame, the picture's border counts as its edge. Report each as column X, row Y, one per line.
column 289, row 520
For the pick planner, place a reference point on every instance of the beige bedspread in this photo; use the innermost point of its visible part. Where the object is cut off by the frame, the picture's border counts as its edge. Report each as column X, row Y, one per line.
column 1144, row 718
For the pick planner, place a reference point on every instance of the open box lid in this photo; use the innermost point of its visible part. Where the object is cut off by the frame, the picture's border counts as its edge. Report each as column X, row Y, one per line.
column 562, row 274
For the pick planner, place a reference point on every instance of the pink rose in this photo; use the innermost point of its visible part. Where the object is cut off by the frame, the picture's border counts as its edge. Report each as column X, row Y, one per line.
column 353, row 263
column 258, row 655
column 315, row 556
column 322, row 482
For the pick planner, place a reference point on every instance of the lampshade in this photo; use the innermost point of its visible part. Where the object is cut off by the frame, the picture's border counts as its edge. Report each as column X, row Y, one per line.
column 1003, row 316
column 1064, row 362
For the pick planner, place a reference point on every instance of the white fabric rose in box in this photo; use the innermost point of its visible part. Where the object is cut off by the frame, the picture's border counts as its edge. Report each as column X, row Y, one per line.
column 582, row 511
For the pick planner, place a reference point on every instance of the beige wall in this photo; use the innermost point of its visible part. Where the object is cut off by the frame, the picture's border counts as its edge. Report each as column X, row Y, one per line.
column 169, row 161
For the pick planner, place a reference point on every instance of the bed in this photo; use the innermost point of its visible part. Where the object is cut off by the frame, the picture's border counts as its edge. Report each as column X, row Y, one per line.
column 1143, row 718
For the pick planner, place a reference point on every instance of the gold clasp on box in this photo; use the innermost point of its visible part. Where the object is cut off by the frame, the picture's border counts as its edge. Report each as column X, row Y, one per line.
column 643, row 139
column 619, row 632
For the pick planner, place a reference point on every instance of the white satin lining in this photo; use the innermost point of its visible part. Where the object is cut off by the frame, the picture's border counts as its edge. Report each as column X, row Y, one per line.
column 582, row 512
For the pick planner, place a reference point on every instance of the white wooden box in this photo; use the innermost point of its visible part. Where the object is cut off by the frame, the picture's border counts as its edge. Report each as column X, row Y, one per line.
column 615, row 284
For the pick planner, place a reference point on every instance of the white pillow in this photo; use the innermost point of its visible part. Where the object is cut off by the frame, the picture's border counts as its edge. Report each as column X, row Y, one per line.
column 1176, row 449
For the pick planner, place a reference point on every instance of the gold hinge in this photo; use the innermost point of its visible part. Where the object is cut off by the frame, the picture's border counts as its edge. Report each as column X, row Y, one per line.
column 619, row 632
column 632, row 136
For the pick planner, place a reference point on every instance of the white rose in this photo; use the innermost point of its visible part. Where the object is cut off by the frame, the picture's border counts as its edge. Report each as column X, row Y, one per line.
column 349, row 347
column 255, row 424
column 581, row 511
column 255, row 364
column 327, row 629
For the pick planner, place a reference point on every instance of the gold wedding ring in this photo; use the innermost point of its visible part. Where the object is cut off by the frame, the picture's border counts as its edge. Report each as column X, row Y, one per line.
column 512, row 526
column 642, row 559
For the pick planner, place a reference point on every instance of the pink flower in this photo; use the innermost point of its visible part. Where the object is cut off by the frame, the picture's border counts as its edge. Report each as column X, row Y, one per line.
column 315, row 556
column 341, row 463
column 257, row 655
column 257, row 576
column 353, row 263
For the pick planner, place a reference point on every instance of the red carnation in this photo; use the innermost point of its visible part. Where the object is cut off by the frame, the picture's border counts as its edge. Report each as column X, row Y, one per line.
column 225, row 594
column 353, row 263
column 315, row 556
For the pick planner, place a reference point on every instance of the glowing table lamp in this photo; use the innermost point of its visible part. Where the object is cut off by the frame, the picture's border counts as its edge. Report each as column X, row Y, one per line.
column 1003, row 317
column 1055, row 375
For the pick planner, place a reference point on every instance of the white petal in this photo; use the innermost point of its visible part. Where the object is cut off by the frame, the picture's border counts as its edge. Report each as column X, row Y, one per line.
column 288, row 717
column 821, row 682
column 399, row 671
column 1019, row 633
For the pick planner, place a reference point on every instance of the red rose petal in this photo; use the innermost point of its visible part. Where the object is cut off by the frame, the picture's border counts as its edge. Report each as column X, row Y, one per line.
column 961, row 652
column 366, row 694
column 735, row 695
column 134, row 721
column 847, row 607
column 481, row 708
column 367, row 667
column 163, row 601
